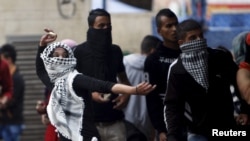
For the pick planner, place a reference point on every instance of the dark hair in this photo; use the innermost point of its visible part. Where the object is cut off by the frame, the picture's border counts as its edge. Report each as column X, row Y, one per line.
column 149, row 42
column 96, row 12
column 164, row 12
column 9, row 51
column 186, row 26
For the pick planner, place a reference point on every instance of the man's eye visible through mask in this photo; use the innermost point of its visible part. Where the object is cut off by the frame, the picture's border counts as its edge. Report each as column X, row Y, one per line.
column 104, row 26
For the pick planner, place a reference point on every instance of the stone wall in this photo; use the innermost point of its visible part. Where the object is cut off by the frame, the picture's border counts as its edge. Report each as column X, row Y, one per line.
column 29, row 17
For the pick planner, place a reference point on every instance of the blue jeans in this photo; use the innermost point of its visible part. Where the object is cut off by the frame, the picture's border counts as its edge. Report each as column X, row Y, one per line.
column 11, row 132
column 196, row 137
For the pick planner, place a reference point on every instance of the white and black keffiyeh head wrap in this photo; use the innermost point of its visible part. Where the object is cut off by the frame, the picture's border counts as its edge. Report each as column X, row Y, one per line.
column 195, row 61
column 65, row 108
column 57, row 67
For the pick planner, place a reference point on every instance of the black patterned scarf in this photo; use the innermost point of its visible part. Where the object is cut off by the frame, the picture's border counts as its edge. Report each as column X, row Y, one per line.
column 194, row 58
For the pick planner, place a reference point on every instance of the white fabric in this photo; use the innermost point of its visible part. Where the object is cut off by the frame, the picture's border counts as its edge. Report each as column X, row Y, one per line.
column 69, row 123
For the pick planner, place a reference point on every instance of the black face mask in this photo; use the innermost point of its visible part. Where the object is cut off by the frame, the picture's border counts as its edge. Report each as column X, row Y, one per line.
column 99, row 42
column 99, row 38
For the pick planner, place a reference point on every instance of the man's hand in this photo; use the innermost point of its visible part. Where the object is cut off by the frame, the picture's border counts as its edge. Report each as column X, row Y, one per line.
column 49, row 37
column 121, row 101
column 99, row 97
column 144, row 88
column 162, row 136
column 242, row 119
column 45, row 119
column 3, row 102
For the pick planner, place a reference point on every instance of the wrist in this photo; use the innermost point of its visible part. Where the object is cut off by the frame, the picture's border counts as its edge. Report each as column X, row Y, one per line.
column 136, row 90
column 42, row 44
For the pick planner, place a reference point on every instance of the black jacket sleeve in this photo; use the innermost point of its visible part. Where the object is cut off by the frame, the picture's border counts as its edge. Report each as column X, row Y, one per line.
column 41, row 71
column 88, row 83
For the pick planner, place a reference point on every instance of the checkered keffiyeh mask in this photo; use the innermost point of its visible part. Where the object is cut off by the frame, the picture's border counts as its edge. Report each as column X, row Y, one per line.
column 194, row 59
column 58, row 67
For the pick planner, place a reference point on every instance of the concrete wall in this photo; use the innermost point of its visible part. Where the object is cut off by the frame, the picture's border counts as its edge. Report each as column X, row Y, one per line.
column 30, row 17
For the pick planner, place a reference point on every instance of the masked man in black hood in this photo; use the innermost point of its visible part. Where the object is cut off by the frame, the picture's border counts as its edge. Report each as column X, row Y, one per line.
column 99, row 58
